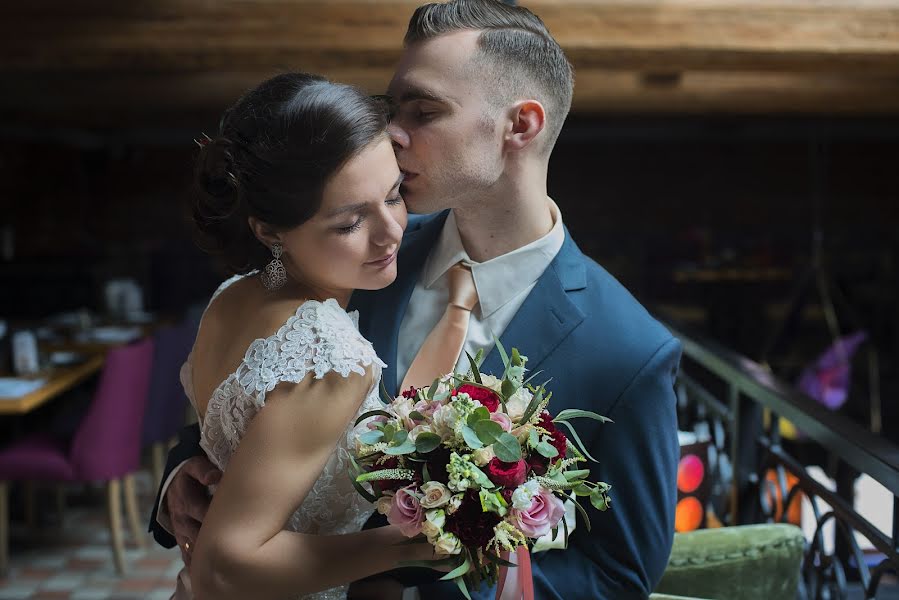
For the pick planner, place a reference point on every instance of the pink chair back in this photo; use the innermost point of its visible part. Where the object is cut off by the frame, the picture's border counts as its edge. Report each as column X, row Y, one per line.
column 107, row 444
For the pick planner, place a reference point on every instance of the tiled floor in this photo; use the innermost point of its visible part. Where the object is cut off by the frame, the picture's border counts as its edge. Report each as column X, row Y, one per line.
column 74, row 561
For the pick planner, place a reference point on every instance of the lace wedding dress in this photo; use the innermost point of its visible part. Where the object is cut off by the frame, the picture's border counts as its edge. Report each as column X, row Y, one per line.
column 319, row 338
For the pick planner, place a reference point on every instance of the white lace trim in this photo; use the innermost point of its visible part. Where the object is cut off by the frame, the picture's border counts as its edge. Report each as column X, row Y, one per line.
column 319, row 338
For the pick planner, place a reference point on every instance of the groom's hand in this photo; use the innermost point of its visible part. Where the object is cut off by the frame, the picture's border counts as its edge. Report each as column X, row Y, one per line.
column 187, row 500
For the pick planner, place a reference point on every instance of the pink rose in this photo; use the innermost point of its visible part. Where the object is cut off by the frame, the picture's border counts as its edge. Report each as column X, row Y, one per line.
column 406, row 511
column 541, row 517
column 503, row 419
column 426, row 409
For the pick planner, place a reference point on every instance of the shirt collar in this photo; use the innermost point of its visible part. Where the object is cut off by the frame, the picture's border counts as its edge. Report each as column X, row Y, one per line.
column 499, row 279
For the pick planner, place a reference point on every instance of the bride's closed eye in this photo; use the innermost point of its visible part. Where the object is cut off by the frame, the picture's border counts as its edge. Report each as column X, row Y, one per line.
column 348, row 229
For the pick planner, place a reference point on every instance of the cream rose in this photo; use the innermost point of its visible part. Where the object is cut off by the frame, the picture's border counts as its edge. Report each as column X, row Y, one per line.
column 482, row 456
column 448, row 543
column 435, row 494
column 384, row 503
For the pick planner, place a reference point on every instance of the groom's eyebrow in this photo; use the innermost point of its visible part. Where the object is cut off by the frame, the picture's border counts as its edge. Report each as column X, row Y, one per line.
column 359, row 205
column 413, row 93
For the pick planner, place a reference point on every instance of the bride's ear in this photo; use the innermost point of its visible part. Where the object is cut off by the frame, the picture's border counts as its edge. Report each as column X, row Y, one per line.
column 263, row 232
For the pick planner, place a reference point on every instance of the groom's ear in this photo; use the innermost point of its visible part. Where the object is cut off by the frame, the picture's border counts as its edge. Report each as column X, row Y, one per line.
column 263, row 232
column 527, row 119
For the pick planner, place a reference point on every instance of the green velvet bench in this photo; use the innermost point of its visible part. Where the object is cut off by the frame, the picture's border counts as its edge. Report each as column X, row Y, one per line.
column 748, row 562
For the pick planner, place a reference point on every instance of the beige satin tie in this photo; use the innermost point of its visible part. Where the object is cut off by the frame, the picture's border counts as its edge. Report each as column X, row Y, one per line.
column 441, row 349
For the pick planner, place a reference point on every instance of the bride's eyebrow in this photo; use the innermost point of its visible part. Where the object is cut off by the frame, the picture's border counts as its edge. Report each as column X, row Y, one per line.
column 360, row 205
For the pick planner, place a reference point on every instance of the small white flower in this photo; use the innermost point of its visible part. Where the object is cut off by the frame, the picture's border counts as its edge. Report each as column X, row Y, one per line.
column 454, row 503
column 523, row 496
column 433, row 524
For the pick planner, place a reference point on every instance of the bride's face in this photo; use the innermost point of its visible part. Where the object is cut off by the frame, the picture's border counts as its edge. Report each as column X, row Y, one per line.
column 353, row 239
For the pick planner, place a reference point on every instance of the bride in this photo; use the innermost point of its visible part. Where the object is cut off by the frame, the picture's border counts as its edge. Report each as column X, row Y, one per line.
column 300, row 194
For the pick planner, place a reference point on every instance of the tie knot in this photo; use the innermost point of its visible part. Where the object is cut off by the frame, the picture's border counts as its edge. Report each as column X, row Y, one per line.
column 462, row 291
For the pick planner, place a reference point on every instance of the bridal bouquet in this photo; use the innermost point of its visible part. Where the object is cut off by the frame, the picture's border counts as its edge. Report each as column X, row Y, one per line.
column 478, row 466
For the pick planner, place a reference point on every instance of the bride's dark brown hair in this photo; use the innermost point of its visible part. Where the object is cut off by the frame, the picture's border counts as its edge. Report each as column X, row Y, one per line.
column 276, row 149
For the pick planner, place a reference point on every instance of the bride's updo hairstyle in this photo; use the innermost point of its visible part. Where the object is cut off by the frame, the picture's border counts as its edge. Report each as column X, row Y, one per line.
column 276, row 149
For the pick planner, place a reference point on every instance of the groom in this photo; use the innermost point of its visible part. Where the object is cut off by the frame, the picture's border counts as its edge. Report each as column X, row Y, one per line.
column 481, row 93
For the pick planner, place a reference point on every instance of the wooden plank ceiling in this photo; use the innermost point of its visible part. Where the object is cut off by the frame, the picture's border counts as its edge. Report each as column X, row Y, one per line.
column 146, row 63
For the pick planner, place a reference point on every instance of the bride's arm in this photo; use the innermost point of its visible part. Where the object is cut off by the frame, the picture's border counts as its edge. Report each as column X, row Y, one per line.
column 243, row 550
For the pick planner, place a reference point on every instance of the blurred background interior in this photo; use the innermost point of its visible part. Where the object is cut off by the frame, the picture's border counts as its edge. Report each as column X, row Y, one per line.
column 734, row 163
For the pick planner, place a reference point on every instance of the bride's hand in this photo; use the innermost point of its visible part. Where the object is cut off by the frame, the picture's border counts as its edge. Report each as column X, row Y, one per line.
column 419, row 549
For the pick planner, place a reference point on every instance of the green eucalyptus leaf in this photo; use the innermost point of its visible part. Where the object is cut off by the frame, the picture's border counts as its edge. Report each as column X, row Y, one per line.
column 416, row 416
column 479, row 414
column 548, row 450
column 599, row 500
column 507, row 448
column 405, row 448
column 427, row 442
column 471, row 438
column 576, row 474
column 487, row 431
column 371, row 437
column 533, row 438
column 582, row 490
column 399, row 437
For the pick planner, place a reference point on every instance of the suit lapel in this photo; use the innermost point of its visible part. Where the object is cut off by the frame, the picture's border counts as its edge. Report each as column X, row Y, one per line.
column 381, row 311
column 548, row 315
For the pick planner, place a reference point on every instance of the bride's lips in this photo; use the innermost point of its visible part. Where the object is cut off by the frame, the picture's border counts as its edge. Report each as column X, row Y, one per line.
column 383, row 261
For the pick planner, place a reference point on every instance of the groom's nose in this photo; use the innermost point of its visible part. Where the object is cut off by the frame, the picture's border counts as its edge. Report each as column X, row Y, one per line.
column 398, row 136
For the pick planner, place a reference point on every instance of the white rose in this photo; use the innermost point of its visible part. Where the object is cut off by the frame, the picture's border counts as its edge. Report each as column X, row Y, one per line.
column 448, row 543
column 384, row 503
column 518, row 403
column 492, row 382
column 435, row 494
column 482, row 456
column 401, row 407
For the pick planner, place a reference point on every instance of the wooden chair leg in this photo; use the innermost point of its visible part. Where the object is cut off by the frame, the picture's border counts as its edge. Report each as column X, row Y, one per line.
column 131, row 506
column 157, row 457
column 4, row 528
column 114, row 508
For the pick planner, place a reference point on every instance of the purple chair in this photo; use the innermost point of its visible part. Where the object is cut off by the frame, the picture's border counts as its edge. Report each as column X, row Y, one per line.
column 167, row 403
column 106, row 447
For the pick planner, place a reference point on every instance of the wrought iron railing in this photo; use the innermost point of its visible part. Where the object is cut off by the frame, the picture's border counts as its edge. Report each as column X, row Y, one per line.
column 740, row 404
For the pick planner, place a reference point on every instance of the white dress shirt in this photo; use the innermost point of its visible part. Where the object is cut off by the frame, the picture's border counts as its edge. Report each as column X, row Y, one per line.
column 502, row 283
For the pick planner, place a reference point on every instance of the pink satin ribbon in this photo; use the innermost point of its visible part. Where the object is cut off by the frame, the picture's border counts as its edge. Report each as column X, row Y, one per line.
column 524, row 582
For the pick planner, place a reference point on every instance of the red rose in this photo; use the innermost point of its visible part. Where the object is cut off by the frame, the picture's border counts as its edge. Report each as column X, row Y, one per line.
column 470, row 523
column 557, row 438
column 507, row 474
column 487, row 398
column 410, row 393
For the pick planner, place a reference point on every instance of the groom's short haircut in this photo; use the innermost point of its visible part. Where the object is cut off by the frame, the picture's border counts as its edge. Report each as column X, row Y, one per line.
column 516, row 51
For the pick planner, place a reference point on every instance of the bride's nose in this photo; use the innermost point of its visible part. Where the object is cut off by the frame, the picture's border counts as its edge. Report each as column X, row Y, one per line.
column 389, row 231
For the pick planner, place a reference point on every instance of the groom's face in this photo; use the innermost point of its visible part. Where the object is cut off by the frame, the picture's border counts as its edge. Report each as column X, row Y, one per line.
column 447, row 138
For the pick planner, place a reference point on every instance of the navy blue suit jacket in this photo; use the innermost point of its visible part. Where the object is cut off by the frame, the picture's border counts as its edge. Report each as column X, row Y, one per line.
column 605, row 353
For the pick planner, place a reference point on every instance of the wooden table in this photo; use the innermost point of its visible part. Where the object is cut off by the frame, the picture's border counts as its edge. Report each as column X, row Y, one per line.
column 59, row 380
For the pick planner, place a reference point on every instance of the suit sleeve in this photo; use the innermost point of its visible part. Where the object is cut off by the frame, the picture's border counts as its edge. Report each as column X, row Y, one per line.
column 188, row 446
column 627, row 550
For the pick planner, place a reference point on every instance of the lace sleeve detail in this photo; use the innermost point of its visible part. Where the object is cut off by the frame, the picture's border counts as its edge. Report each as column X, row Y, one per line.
column 319, row 338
